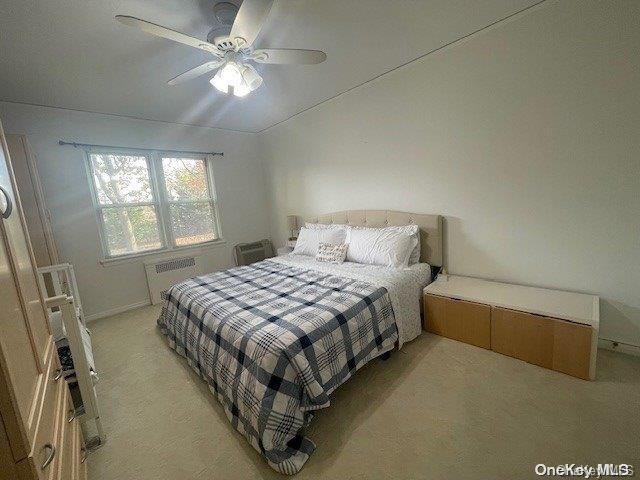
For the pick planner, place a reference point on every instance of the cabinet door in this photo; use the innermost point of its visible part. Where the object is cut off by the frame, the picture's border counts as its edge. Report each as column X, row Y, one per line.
column 24, row 332
column 25, row 171
column 21, row 256
column 522, row 335
column 548, row 342
column 464, row 321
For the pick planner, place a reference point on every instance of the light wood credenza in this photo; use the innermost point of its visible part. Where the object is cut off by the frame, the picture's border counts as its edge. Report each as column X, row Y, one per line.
column 550, row 328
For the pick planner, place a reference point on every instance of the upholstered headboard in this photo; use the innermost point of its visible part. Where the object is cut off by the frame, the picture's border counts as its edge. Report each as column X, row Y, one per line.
column 430, row 227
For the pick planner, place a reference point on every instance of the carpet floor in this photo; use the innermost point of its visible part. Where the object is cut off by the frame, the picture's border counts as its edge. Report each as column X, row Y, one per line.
column 437, row 409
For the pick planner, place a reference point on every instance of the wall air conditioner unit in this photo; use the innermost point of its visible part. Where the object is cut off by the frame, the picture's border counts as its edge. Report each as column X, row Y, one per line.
column 164, row 274
column 247, row 253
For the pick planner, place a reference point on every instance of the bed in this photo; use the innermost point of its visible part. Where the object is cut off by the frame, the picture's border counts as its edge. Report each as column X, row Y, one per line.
column 274, row 339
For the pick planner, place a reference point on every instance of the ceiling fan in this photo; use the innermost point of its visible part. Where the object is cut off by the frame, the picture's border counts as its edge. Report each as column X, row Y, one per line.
column 232, row 53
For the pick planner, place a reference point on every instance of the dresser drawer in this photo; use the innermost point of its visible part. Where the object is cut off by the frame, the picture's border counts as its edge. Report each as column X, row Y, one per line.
column 458, row 319
column 66, row 432
column 8, row 469
column 45, row 440
column 80, row 455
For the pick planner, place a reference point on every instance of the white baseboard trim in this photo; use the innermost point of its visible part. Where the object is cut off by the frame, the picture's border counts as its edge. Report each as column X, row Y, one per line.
column 116, row 310
column 619, row 347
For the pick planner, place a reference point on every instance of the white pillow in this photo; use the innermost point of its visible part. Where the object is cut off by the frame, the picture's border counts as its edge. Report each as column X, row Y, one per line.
column 414, row 231
column 309, row 239
column 326, row 226
column 379, row 246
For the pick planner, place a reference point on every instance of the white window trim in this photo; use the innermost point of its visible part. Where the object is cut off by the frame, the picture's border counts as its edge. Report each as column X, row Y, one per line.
column 159, row 255
column 160, row 201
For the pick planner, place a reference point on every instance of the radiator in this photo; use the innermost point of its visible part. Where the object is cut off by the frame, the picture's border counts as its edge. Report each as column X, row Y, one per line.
column 161, row 275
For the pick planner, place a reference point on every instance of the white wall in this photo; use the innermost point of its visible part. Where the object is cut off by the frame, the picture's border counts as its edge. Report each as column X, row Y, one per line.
column 525, row 137
column 238, row 177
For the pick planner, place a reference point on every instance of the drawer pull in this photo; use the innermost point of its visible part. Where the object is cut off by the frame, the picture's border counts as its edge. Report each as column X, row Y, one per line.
column 72, row 415
column 84, row 454
column 49, row 459
column 58, row 375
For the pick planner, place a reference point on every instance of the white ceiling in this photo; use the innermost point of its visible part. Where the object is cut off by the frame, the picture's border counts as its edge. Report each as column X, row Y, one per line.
column 73, row 54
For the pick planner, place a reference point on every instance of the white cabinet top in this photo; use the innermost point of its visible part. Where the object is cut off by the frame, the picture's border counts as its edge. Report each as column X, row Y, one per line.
column 575, row 307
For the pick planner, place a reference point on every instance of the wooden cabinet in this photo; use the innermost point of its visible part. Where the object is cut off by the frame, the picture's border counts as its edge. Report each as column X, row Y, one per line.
column 548, row 342
column 467, row 322
column 553, row 329
column 34, row 398
column 37, row 216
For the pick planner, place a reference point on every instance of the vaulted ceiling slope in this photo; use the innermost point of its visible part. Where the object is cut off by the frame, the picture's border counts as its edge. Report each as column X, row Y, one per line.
column 73, row 54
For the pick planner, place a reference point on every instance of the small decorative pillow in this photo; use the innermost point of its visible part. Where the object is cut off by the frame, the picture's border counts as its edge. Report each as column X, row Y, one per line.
column 329, row 252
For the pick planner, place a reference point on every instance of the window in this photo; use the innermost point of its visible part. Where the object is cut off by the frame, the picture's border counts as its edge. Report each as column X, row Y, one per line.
column 191, row 208
column 151, row 202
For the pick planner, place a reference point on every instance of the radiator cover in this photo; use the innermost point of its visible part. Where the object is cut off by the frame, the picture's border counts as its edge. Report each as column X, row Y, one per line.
column 162, row 275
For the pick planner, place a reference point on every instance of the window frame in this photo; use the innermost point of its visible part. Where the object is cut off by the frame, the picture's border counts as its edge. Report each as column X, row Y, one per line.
column 160, row 200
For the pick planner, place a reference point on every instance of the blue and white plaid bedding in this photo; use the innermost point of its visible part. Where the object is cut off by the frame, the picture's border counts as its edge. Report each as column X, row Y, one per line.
column 273, row 341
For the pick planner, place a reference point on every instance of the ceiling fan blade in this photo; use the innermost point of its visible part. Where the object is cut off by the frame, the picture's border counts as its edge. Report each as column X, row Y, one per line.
column 284, row 56
column 249, row 21
column 160, row 31
column 196, row 72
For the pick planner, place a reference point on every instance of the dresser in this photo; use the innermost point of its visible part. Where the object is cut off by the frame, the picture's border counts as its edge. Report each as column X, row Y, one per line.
column 40, row 438
column 550, row 328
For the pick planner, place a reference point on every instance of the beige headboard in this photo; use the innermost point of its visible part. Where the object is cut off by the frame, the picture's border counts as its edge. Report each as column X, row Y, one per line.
column 430, row 227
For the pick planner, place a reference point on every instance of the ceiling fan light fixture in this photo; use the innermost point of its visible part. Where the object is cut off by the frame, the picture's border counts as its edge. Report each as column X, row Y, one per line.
column 218, row 82
column 241, row 90
column 230, row 74
column 251, row 78
column 241, row 78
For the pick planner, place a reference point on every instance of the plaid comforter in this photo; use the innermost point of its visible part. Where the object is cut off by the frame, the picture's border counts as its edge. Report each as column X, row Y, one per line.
column 273, row 341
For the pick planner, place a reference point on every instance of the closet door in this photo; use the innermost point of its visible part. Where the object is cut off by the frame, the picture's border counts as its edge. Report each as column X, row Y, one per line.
column 21, row 255
column 24, row 331
column 32, row 201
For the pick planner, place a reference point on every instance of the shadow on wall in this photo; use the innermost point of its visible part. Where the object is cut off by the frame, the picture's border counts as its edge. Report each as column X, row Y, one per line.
column 482, row 260
column 618, row 317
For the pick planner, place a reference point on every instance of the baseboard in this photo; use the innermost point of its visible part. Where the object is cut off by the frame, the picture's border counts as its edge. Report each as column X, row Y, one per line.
column 619, row 347
column 116, row 310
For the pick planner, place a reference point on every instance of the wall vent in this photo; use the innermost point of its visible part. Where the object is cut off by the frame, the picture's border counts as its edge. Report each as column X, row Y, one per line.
column 247, row 253
column 175, row 264
column 162, row 275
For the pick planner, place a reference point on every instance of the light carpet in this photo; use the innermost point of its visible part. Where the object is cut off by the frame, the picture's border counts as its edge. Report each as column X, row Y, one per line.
column 438, row 409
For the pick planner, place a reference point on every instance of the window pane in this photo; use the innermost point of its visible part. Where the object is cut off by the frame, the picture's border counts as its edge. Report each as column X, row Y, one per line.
column 192, row 223
column 121, row 178
column 130, row 229
column 186, row 178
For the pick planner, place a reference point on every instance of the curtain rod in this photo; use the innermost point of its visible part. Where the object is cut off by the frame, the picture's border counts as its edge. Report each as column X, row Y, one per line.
column 76, row 145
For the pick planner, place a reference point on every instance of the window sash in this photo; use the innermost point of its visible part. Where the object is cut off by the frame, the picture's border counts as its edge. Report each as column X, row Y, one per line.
column 161, row 201
column 208, row 179
column 103, row 230
column 167, row 202
column 214, row 226
column 149, row 162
